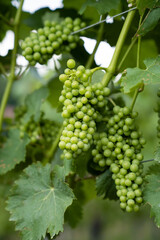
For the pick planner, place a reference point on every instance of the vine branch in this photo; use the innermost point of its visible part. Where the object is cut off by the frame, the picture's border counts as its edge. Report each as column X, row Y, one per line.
column 99, row 38
column 11, row 77
column 119, row 45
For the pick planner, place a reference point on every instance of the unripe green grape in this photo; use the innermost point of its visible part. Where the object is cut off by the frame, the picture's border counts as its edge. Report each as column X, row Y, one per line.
column 71, row 63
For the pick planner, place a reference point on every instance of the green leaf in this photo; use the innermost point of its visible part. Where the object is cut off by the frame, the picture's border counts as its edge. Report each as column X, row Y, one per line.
column 149, row 22
column 135, row 76
column 105, row 186
column 152, row 192
column 38, row 202
column 102, row 6
column 143, row 5
column 74, row 214
column 81, row 163
column 34, row 102
column 148, row 50
column 157, row 154
column 13, row 152
column 97, row 76
column 55, row 87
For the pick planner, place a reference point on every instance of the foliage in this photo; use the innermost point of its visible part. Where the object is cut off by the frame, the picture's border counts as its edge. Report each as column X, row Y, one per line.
column 74, row 135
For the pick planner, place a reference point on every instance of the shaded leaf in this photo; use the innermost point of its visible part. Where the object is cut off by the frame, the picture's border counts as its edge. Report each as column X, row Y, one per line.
column 152, row 192
column 157, row 154
column 38, row 202
column 13, row 152
column 149, row 22
column 143, row 5
column 34, row 102
column 105, row 186
column 74, row 214
column 148, row 50
column 135, row 76
column 97, row 76
column 102, row 6
column 81, row 162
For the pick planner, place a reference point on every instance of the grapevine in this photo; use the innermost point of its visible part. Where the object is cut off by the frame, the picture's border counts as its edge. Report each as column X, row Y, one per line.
column 75, row 130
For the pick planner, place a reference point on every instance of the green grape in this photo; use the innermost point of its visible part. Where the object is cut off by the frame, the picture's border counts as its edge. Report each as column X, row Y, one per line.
column 122, row 155
column 77, row 96
column 53, row 38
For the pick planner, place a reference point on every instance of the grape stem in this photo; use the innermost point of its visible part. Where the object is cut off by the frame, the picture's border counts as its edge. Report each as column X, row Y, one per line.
column 111, row 100
column 11, row 77
column 53, row 148
column 113, row 64
column 98, row 68
column 6, row 21
column 150, row 160
column 141, row 87
column 99, row 38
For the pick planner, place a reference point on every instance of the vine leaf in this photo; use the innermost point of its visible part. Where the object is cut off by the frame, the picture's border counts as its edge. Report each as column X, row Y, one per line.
column 97, row 76
column 105, row 186
column 152, row 192
column 38, row 201
column 143, row 5
column 34, row 102
column 13, row 152
column 149, row 22
column 102, row 6
column 74, row 213
column 157, row 155
column 134, row 77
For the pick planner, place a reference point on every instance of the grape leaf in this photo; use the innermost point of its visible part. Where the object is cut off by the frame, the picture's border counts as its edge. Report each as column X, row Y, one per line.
column 135, row 76
column 152, row 192
column 102, row 6
column 13, row 152
column 105, row 186
column 34, row 102
column 81, row 163
column 38, row 201
column 157, row 154
column 73, row 214
column 143, row 5
column 97, row 76
column 149, row 22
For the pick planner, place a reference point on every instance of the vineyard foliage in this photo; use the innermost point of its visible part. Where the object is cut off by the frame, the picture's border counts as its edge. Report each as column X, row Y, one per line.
column 81, row 125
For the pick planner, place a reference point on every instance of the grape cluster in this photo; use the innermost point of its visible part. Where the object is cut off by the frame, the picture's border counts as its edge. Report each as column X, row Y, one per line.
column 158, row 111
column 120, row 149
column 42, row 132
column 81, row 102
column 53, row 38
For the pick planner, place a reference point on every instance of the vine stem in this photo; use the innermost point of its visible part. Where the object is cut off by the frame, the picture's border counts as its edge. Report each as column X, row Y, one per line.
column 113, row 64
column 11, row 77
column 126, row 53
column 53, row 148
column 99, row 38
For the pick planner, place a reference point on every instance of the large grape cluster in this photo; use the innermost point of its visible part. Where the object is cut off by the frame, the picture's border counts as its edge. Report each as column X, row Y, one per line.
column 120, row 149
column 81, row 102
column 53, row 38
column 42, row 132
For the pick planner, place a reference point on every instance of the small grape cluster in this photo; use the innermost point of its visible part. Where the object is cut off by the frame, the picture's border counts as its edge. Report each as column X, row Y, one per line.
column 81, row 102
column 42, row 132
column 158, row 111
column 53, row 38
column 120, row 149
